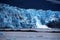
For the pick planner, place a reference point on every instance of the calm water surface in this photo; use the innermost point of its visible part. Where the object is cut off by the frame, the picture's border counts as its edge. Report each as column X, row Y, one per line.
column 29, row 36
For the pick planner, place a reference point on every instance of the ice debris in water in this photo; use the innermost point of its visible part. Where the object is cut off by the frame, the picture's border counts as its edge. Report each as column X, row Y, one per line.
column 16, row 18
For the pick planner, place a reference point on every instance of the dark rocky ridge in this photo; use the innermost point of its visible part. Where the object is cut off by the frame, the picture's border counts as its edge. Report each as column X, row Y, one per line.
column 54, row 24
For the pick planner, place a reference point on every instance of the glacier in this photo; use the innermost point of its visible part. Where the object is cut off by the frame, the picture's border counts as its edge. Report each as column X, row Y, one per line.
column 16, row 18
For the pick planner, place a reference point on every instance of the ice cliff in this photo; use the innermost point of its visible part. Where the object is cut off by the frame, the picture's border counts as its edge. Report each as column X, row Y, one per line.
column 16, row 18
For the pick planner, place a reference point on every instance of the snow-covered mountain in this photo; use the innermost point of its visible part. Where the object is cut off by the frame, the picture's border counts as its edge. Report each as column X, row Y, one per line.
column 14, row 17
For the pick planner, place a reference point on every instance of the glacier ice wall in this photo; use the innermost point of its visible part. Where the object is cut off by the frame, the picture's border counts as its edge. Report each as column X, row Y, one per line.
column 16, row 18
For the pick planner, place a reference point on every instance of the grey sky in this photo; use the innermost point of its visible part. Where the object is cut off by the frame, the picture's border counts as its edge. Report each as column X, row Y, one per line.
column 54, row 1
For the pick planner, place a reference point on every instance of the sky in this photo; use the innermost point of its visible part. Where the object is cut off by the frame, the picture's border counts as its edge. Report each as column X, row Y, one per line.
column 54, row 1
column 34, row 4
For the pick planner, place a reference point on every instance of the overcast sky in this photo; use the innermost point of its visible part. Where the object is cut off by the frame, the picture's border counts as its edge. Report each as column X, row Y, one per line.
column 54, row 1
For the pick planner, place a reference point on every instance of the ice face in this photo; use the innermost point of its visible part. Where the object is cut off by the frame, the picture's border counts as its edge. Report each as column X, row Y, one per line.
column 16, row 18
